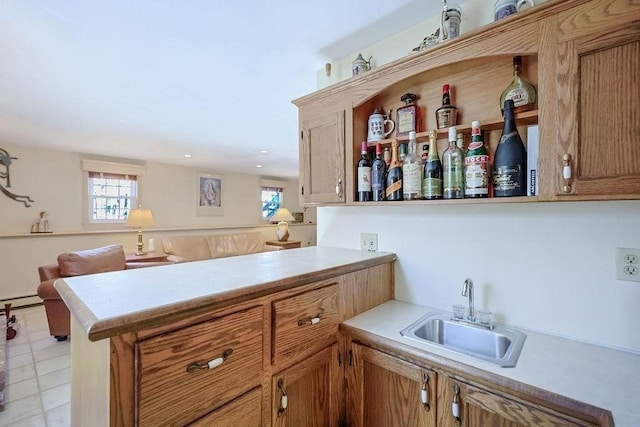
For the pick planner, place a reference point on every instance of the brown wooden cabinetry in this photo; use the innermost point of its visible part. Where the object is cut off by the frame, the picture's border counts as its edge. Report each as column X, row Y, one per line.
column 594, row 98
column 233, row 365
column 322, row 154
column 583, row 56
column 387, row 391
column 309, row 392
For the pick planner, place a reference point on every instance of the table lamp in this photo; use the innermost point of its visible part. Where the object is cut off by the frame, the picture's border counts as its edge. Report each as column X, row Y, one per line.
column 281, row 216
column 139, row 218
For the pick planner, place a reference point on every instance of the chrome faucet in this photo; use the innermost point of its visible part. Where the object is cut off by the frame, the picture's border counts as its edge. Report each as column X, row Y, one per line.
column 467, row 290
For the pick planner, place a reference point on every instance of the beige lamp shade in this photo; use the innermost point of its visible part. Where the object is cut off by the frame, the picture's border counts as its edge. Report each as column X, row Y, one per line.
column 139, row 218
column 282, row 215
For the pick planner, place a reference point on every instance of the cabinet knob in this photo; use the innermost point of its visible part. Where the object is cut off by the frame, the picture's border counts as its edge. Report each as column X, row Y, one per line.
column 211, row 364
column 566, row 173
column 309, row 320
column 339, row 189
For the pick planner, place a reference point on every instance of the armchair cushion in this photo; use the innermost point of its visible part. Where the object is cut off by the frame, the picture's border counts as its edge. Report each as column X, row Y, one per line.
column 107, row 258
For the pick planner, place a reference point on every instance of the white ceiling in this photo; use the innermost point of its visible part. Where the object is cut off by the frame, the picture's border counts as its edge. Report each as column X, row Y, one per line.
column 155, row 80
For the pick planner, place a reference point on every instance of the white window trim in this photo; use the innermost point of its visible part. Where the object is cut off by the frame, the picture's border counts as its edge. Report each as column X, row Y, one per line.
column 90, row 165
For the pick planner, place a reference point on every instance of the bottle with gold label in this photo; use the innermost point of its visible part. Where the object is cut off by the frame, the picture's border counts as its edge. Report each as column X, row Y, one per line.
column 447, row 114
column 394, row 175
column 520, row 91
column 432, row 175
column 407, row 116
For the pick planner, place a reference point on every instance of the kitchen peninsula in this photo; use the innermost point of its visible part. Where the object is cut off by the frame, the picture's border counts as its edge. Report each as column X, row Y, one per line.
column 251, row 338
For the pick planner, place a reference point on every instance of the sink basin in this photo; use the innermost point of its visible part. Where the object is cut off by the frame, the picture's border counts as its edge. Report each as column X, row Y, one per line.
column 500, row 345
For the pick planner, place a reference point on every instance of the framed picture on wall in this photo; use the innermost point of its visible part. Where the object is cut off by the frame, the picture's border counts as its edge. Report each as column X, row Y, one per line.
column 210, row 194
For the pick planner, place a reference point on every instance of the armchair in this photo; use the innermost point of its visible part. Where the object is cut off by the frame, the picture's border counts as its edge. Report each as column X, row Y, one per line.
column 91, row 261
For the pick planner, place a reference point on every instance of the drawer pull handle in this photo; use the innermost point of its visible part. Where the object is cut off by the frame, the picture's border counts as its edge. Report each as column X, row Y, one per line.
column 309, row 320
column 424, row 393
column 566, row 173
column 284, row 400
column 455, row 407
column 214, row 363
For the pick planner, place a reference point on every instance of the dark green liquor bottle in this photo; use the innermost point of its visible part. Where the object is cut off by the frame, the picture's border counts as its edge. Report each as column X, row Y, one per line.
column 432, row 176
column 378, row 175
column 476, row 165
column 394, row 175
column 510, row 162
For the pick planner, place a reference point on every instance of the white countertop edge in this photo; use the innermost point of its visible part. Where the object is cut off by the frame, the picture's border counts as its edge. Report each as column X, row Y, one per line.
column 600, row 376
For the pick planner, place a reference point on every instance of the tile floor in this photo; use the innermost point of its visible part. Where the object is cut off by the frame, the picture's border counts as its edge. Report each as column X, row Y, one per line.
column 38, row 386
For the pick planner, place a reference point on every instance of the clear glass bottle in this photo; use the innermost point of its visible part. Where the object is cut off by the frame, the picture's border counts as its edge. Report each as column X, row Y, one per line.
column 407, row 116
column 447, row 114
column 452, row 169
column 412, row 172
column 476, row 165
column 460, row 141
column 432, row 176
column 364, row 175
column 510, row 161
column 520, row 91
column 394, row 175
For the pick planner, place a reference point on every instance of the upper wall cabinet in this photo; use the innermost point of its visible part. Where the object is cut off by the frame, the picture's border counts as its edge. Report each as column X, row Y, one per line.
column 322, row 151
column 595, row 48
column 582, row 55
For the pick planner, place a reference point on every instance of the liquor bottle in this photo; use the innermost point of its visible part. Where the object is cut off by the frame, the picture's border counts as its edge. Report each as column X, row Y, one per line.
column 476, row 165
column 378, row 175
column 407, row 116
column 447, row 114
column 520, row 91
column 460, row 142
column 387, row 156
column 403, row 151
column 394, row 175
column 452, row 169
column 412, row 172
column 364, row 175
column 424, row 153
column 510, row 162
column 432, row 176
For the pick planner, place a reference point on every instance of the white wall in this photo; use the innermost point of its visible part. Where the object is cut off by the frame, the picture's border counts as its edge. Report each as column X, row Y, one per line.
column 54, row 180
column 544, row 266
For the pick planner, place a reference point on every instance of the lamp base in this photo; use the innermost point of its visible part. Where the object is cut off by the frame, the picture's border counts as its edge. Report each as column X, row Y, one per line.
column 140, row 245
column 282, row 232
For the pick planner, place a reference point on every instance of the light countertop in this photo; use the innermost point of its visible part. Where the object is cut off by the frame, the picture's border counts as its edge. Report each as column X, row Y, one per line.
column 600, row 376
column 112, row 303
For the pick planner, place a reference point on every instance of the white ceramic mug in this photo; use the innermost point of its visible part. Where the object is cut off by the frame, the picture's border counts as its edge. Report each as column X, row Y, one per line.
column 377, row 125
column 504, row 8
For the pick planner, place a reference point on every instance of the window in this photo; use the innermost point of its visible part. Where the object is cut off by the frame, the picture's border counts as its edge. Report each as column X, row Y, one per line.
column 111, row 189
column 271, row 201
column 111, row 196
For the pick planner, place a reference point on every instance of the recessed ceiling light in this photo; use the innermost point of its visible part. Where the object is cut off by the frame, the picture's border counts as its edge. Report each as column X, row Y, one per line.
column 258, row 166
column 264, row 152
column 188, row 156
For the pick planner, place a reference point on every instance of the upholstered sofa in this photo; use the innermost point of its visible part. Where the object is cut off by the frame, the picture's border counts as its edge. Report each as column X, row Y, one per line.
column 91, row 261
column 210, row 246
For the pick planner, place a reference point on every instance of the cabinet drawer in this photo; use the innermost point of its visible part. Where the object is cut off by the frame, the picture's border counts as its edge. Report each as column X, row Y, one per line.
column 245, row 411
column 304, row 324
column 171, row 393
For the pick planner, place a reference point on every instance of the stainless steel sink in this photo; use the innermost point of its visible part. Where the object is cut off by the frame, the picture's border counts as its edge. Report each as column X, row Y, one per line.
column 500, row 345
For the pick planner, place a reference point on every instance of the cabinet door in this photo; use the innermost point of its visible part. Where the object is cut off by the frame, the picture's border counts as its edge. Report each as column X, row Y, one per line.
column 598, row 98
column 462, row 404
column 308, row 393
column 322, row 151
column 388, row 392
column 245, row 411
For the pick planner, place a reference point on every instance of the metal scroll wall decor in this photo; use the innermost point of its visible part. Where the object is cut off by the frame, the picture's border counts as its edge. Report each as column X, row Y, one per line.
column 5, row 161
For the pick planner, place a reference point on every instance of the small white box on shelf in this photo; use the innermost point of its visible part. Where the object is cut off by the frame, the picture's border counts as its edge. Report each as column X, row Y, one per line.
column 532, row 160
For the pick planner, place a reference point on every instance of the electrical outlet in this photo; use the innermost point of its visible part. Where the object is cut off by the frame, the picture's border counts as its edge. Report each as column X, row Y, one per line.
column 369, row 242
column 628, row 264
